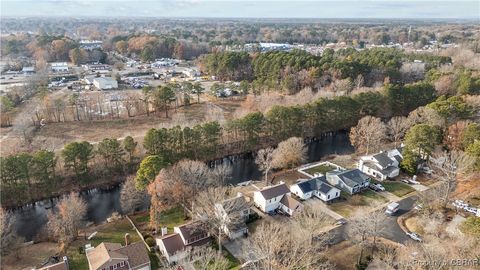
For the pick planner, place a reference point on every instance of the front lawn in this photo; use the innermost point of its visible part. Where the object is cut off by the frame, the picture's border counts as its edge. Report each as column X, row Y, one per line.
column 323, row 169
column 350, row 203
column 398, row 188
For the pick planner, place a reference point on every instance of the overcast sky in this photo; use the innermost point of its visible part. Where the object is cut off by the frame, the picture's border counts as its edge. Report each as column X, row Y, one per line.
column 243, row 9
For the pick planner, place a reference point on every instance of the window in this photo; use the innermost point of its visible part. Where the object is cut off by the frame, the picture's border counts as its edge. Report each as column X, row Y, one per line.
column 111, row 267
column 118, row 265
column 328, row 197
column 122, row 263
column 114, row 267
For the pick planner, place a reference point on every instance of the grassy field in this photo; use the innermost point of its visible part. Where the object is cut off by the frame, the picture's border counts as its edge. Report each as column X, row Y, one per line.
column 110, row 232
column 398, row 188
column 351, row 203
column 169, row 218
column 320, row 169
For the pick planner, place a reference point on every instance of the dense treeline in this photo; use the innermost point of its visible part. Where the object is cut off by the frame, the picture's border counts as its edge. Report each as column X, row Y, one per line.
column 292, row 71
column 31, row 176
column 255, row 130
column 208, row 140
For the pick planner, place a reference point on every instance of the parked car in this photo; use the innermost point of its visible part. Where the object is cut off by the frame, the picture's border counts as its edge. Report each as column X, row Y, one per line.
column 418, row 207
column 414, row 236
column 405, row 181
column 377, row 187
column 341, row 222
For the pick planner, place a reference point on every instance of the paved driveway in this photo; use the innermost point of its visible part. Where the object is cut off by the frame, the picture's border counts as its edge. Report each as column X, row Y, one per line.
column 237, row 248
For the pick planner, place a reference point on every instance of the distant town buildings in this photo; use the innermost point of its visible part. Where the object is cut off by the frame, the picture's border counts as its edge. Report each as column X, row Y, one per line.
column 59, row 67
column 90, row 44
column 105, row 83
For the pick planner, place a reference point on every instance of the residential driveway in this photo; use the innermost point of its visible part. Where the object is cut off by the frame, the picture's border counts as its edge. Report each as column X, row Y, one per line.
column 419, row 187
column 237, row 248
column 317, row 203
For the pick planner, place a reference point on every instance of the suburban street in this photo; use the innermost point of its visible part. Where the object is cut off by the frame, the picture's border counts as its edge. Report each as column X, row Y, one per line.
column 392, row 230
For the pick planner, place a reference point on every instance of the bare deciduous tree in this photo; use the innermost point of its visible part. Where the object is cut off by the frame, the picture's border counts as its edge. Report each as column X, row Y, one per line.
column 203, row 258
column 276, row 246
column 397, row 127
column 220, row 210
column 289, row 153
column 369, row 133
column 366, row 226
column 264, row 161
column 10, row 241
column 64, row 223
column 130, row 197
column 446, row 167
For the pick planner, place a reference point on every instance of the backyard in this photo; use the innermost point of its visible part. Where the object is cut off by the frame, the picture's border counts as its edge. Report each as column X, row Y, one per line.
column 109, row 232
column 322, row 168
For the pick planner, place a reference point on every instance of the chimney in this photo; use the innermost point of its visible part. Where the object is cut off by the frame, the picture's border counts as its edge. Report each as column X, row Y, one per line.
column 127, row 239
column 164, row 231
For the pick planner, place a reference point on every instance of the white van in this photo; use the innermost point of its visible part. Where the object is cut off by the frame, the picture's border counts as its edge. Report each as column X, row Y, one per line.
column 392, row 208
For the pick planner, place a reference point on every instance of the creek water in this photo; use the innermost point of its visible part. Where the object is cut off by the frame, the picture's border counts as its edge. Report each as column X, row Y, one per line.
column 30, row 219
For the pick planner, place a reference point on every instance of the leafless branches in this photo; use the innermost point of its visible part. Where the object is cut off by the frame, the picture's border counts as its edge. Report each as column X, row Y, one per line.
column 289, row 153
column 264, row 161
column 368, row 134
column 64, row 223
column 130, row 197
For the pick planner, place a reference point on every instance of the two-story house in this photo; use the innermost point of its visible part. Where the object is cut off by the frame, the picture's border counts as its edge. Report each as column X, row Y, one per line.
column 186, row 236
column 234, row 212
column 382, row 165
column 271, row 198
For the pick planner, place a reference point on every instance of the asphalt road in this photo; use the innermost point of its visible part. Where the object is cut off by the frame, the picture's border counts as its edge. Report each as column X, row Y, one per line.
column 392, row 230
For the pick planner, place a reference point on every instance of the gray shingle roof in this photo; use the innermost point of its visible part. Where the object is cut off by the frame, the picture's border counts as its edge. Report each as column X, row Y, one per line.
column 274, row 191
column 353, row 177
column 383, row 159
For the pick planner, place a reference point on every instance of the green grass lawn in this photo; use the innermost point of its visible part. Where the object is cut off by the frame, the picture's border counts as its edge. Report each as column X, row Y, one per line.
column 111, row 232
column 398, row 188
column 323, row 169
column 168, row 218
column 352, row 202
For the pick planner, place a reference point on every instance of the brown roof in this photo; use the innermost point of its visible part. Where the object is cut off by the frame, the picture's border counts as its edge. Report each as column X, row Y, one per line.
column 57, row 266
column 104, row 253
column 192, row 229
column 274, row 191
column 173, row 243
column 136, row 253
column 290, row 202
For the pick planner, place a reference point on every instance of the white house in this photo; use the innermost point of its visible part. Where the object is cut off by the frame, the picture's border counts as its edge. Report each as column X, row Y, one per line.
column 186, row 236
column 271, row 198
column 59, row 66
column 318, row 187
column 350, row 181
column 235, row 212
column 382, row 165
column 105, row 83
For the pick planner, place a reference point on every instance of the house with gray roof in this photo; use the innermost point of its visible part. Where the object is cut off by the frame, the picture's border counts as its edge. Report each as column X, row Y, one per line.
column 186, row 236
column 351, row 181
column 382, row 165
column 108, row 256
column 318, row 187
column 235, row 212
column 277, row 197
